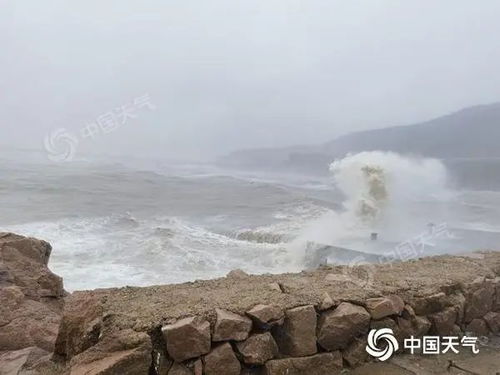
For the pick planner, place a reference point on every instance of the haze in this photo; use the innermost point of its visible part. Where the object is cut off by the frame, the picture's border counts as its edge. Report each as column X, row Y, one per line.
column 225, row 75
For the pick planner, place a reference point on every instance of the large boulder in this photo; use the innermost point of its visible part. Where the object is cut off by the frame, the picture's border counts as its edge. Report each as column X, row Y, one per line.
column 297, row 336
column 266, row 316
column 187, row 338
column 123, row 352
column 478, row 327
column 258, row 349
column 443, row 322
column 80, row 326
column 430, row 304
column 493, row 321
column 478, row 299
column 382, row 307
column 21, row 361
column 179, row 369
column 222, row 360
column 337, row 328
column 230, row 326
column 496, row 301
column 356, row 353
column 31, row 296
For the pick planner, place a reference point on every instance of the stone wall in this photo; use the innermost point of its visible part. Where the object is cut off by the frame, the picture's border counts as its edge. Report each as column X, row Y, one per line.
column 305, row 323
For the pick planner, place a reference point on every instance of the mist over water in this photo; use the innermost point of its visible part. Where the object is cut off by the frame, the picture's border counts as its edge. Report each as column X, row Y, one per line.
column 114, row 224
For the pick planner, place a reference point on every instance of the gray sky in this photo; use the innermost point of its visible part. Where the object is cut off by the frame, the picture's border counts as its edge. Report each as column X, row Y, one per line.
column 229, row 74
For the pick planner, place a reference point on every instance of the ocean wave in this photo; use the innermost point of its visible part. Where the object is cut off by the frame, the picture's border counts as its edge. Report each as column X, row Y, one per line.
column 262, row 237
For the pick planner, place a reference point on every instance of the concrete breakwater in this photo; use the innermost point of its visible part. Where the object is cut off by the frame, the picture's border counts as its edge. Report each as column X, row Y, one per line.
column 314, row 322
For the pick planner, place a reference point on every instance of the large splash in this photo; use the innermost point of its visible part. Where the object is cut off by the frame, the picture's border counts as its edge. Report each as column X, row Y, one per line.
column 381, row 192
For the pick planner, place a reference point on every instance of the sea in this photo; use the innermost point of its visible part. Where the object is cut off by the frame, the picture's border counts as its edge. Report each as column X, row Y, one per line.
column 115, row 222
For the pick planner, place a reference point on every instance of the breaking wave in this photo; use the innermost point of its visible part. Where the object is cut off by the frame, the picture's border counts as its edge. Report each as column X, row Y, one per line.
column 381, row 193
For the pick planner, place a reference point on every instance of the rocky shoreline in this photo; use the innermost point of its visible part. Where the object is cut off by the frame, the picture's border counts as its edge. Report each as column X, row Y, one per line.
column 313, row 322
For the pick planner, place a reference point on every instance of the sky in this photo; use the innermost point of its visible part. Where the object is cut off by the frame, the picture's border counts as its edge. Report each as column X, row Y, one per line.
column 196, row 79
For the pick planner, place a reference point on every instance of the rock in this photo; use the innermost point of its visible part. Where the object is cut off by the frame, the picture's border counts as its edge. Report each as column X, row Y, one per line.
column 20, row 361
column 25, row 260
column 384, row 306
column 458, row 301
column 275, row 286
column 124, row 352
column 496, row 301
column 421, row 325
column 198, row 367
column 430, row 304
column 253, row 371
column 383, row 368
column 356, row 354
column 443, row 322
column 179, row 369
column 230, row 326
column 11, row 299
column 337, row 328
column 493, row 321
column 478, row 299
column 319, row 364
column 327, row 302
column 222, row 360
column 188, row 338
column 31, row 296
column 31, row 248
column 266, row 316
column 405, row 329
column 237, row 274
column 297, row 336
column 478, row 327
column 258, row 349
column 408, row 313
column 384, row 323
column 80, row 325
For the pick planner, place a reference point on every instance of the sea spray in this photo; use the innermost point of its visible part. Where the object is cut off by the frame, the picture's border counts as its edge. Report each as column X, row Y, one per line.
column 381, row 193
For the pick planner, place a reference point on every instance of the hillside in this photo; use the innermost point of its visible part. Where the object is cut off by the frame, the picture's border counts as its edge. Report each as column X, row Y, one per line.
column 469, row 133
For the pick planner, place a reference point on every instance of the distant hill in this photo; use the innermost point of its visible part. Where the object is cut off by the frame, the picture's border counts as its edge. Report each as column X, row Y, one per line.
column 470, row 133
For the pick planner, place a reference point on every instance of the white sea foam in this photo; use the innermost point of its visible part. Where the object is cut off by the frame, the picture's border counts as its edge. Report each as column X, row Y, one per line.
column 383, row 192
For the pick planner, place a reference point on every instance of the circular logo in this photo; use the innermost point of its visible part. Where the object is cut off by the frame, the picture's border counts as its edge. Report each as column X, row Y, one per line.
column 382, row 336
column 60, row 145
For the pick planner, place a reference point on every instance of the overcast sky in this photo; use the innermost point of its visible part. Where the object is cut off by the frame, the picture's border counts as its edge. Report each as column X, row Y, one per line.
column 230, row 74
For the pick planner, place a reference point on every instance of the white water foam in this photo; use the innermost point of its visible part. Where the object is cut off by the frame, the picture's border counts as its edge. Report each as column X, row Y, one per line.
column 383, row 193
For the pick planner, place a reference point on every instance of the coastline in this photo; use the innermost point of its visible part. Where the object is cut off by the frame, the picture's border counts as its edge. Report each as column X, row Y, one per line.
column 122, row 330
